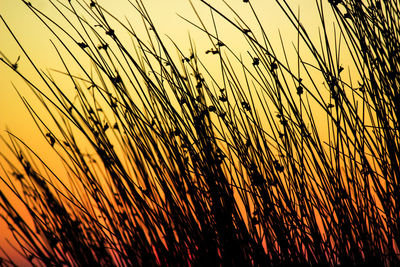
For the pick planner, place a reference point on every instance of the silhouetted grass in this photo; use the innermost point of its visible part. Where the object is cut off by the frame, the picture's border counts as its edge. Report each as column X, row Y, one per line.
column 170, row 162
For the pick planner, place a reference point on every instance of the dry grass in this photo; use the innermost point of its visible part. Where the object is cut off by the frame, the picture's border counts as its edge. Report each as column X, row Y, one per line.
column 184, row 168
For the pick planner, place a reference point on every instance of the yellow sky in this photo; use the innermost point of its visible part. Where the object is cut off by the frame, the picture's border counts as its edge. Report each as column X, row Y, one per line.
column 35, row 38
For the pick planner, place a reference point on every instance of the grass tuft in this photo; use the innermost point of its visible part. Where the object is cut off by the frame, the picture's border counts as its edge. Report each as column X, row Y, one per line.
column 262, row 159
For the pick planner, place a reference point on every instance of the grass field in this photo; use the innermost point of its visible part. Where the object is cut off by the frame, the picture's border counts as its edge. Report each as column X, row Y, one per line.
column 275, row 155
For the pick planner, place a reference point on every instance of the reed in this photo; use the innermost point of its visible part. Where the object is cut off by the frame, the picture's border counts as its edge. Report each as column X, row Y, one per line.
column 169, row 162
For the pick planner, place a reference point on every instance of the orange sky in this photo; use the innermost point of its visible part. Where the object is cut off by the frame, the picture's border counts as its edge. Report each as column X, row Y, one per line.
column 35, row 38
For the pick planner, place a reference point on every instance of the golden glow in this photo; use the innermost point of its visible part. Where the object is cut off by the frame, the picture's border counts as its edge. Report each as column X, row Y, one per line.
column 35, row 39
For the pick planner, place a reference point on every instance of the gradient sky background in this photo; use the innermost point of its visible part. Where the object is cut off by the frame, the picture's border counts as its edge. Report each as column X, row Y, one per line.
column 35, row 39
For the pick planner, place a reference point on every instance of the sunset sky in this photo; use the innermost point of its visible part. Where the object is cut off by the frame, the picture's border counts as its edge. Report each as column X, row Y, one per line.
column 34, row 37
